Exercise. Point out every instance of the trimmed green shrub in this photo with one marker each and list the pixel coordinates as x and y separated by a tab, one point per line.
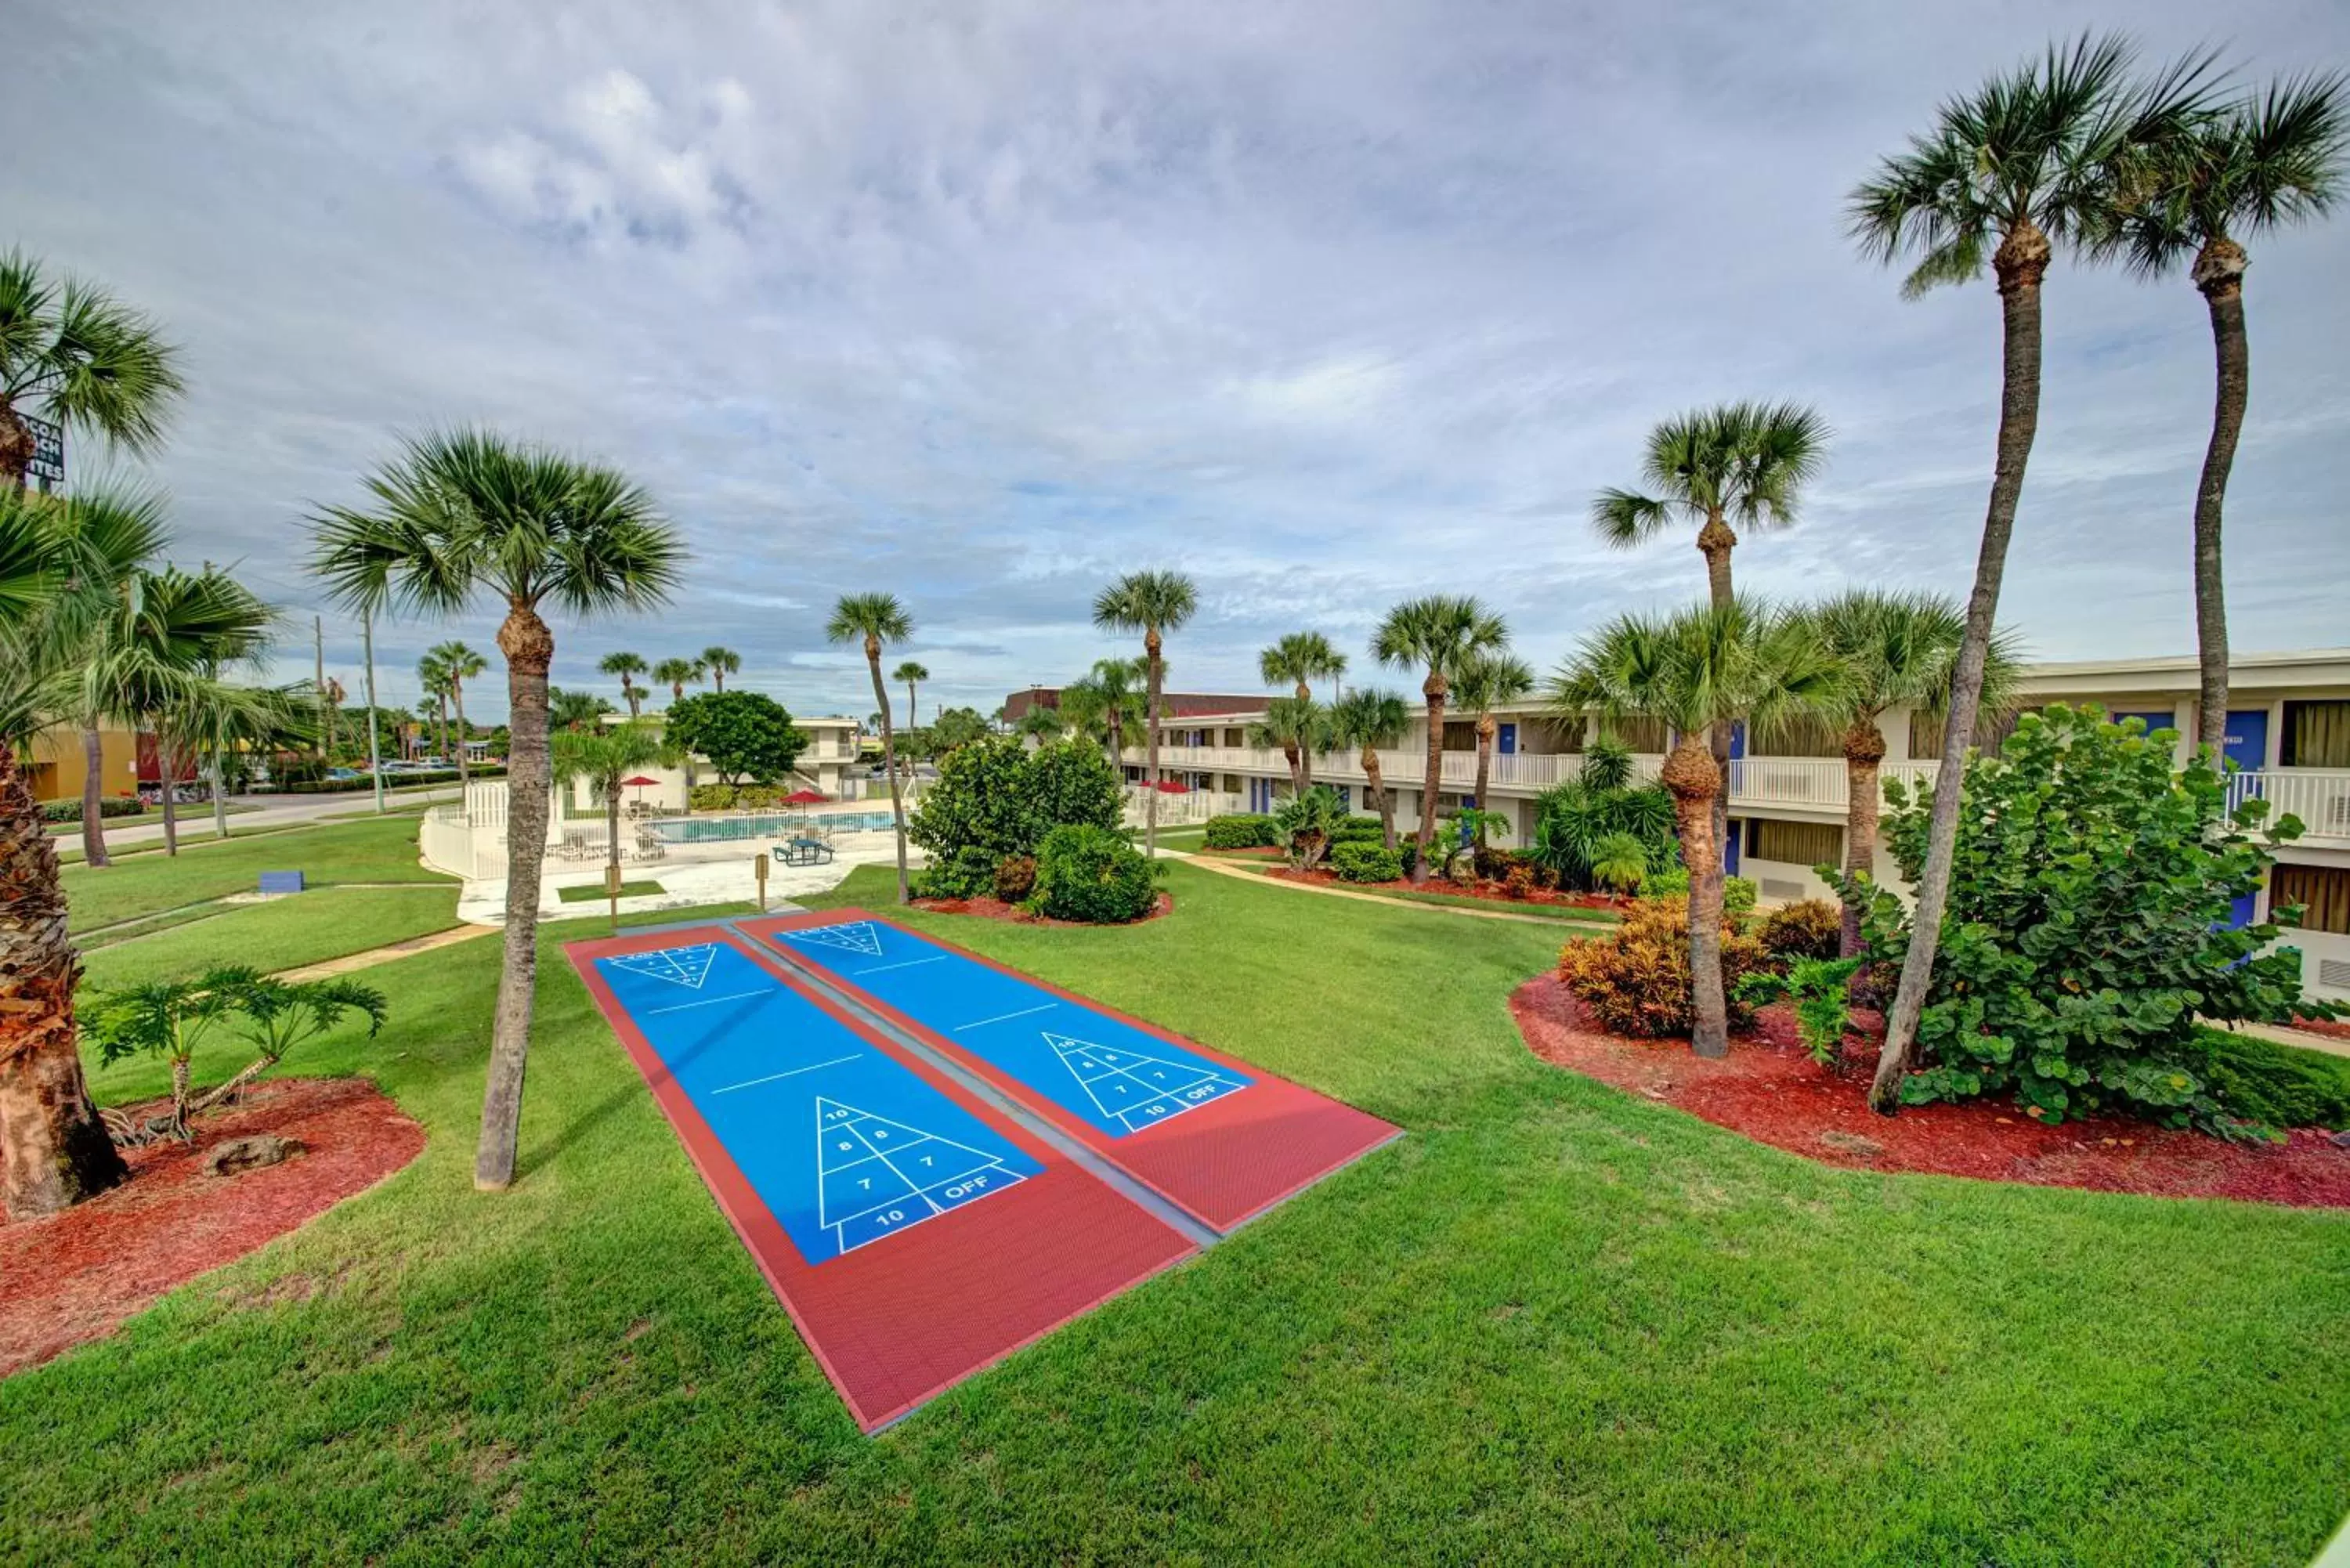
107	805
1016	877
738	797
2088	925
1357	830
1240	830
1738	893
1093	875
1371	862
1808	929
994	798
2275	1085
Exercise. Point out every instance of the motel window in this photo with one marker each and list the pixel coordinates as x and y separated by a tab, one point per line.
1645	736
2317	735
1552	737
1794	843
2324	891
1803	739
1460	737
1925	733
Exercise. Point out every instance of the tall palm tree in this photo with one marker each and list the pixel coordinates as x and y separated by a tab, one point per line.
1372	720
432	675
1043	725
606	759
110	534
1154	604
1745	462
1698	670
459	663
75	355
1300	726
1438	634
569	710
913	674
1299	658
175	633
2250	169
1106	706
875	620
2007	174
674	673
628	667
1489	682
721	662
1893	650
54	1150
465	513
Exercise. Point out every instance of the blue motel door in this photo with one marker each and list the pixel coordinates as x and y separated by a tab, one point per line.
2246	744
1730	850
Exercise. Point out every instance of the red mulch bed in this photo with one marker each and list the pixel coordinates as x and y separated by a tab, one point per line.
1012	914
2332	1028
1769	1089
77	1275
1491	892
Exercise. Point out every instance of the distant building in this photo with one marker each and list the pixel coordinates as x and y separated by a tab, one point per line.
58	763
1171	704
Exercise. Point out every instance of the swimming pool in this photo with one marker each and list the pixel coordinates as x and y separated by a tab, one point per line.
765	825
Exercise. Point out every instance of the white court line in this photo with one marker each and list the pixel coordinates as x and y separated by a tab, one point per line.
795	1073
710	1000
905	963
1001	1017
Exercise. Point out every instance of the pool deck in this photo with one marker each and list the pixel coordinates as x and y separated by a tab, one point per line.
691	876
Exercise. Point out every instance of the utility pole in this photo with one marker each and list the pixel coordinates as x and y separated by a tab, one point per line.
375	759
318	678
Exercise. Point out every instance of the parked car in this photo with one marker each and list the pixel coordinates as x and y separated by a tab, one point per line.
344	775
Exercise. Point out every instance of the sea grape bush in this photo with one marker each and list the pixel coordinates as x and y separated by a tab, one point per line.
994	798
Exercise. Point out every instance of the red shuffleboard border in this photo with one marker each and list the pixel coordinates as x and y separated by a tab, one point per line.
1215	1162
1012	1270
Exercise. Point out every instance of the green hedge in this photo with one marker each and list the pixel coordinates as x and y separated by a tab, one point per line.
1373	862
2275	1085
390	781
1240	830
109	805
1093	875
1358	830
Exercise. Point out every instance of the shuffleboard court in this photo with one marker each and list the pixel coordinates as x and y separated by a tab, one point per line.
914	1235
1221	1139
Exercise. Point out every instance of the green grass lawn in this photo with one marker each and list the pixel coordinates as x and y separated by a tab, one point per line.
1554	1323
377	850
1568	915
284	933
152	816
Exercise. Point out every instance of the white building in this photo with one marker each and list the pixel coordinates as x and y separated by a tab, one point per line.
2288	732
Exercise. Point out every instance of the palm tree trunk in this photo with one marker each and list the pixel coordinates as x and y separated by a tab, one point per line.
2021	261
889	764
1717	540
219	781
529	648
2219	274
1690	774
612	833
1297	779
1485	726
167	763
54	1151
181	1070
1379	796
1302	757
220	1091
1432	690
464	775
1154	669
1864	754
93	798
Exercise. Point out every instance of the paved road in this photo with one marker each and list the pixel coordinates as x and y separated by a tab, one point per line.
269	811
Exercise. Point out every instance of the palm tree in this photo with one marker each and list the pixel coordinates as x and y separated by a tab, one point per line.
628	667
432	675
569	709
1372	720
463	513
1300	726
2008	172
1894	650
721	662
1300	658
874	620
112	535
175	633
606	759
911	672
1698	670
1438	634
1045	725
1105	707
1488	681
1153	603
76	356
674	673
2251	168
1744	462
57	1151
459	664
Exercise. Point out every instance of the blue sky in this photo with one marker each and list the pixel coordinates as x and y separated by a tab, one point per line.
1327	305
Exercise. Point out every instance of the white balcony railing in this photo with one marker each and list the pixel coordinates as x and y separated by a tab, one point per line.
2320	798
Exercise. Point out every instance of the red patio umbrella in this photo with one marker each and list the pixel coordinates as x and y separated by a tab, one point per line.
638	784
805	797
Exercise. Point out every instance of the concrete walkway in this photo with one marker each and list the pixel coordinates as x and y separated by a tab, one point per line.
409	947
266	811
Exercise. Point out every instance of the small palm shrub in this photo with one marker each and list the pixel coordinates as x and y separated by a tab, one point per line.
1371	862
1016	877
1305	824
1820	989
1809	929
1636	980
1619	862
1092	874
1240	830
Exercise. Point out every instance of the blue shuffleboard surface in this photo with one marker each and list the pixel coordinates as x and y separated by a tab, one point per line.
1117	1079
843	1143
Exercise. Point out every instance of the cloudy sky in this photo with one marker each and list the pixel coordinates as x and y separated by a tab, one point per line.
984	303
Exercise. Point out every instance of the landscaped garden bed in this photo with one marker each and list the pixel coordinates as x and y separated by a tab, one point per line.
1768	1089
1483	891
991	908
75	1276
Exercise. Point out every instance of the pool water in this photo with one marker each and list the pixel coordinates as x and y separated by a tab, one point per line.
728	829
